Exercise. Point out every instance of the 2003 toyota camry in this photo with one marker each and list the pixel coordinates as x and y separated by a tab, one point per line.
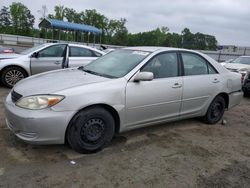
123	90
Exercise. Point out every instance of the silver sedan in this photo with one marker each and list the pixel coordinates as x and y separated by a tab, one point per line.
42	58
123	90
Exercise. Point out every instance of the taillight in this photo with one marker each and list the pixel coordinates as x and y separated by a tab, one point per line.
242	77
8	51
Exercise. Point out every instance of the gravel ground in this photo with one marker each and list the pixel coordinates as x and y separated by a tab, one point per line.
181	154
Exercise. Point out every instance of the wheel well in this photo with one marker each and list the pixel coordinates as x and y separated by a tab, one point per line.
110	109
226	98
15	66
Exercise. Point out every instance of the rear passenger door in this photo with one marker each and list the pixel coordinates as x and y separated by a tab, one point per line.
200	83
80	56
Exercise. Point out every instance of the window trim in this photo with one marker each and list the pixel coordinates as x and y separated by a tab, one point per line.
194	53
179	71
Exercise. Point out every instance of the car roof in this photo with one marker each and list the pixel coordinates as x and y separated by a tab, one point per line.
156	48
245	56
76	45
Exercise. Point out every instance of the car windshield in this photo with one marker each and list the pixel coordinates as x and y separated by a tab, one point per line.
242	60
30	50
116	64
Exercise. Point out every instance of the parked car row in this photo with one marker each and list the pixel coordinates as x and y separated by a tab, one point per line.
242	66
6	50
46	57
122	90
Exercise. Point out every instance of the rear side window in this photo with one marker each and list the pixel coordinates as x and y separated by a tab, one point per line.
195	65
82	52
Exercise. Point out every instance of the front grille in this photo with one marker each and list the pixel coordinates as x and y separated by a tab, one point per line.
15	96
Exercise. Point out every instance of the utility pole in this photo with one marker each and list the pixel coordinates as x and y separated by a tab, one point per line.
43	11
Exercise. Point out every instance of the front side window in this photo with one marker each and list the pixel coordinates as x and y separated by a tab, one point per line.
82	52
196	65
52	51
116	64
163	65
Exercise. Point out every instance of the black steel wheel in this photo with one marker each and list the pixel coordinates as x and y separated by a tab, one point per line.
91	130
215	110
10	76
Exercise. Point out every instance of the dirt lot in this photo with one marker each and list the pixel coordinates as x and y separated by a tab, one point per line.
181	154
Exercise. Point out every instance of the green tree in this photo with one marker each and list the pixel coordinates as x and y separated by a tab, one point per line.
173	40
22	19
72	16
155	37
187	39
200	41
211	42
120	32
94	18
59	13
5	20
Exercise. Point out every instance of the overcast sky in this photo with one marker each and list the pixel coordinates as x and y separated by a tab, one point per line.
228	20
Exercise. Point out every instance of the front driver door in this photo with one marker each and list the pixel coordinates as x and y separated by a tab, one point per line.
159	99
48	59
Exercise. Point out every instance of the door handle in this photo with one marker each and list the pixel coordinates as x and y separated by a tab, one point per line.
216	80
57	62
177	85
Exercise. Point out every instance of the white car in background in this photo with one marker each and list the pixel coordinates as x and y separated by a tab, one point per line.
45	57
241	65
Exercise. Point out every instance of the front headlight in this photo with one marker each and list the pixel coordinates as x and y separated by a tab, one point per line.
38	102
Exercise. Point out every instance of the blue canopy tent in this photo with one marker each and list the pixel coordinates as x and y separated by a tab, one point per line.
68	26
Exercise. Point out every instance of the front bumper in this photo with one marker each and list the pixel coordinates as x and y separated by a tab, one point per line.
37	126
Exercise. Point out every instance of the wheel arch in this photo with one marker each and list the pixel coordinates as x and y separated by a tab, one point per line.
226	98
18	66
107	107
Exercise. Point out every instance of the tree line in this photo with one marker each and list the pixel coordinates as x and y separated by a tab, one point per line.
17	19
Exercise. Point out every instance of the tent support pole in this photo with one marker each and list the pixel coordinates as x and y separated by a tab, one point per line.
59	34
52	33
88	37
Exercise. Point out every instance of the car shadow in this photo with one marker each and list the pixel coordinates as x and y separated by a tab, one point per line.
131	140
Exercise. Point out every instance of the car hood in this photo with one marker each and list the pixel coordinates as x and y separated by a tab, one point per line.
237	66
54	81
9	56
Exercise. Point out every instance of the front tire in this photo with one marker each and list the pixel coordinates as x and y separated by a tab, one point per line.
215	110
11	75
90	130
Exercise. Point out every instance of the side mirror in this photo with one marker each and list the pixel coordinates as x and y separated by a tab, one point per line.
35	55
144	76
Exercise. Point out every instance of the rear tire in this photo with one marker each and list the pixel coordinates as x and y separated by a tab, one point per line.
11	75
245	92
91	130
215	110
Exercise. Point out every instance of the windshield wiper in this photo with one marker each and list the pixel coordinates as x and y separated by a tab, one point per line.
91	72
81	68
95	73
